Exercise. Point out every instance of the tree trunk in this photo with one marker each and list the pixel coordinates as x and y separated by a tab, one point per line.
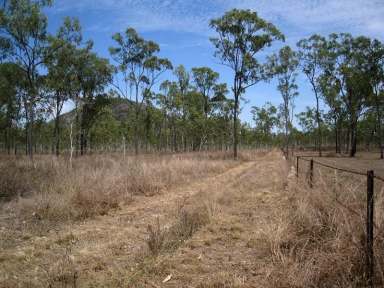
235	135
318	124
8	140
286	138
57	135
380	132
287	122
174	136
337	144
136	136
57	126
82	150
353	138
347	140
71	145
82	133
148	121
8	130
77	129
30	122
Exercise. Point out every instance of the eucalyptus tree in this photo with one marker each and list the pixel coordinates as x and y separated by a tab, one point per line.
226	115
349	74
265	118
205	79
61	70
153	68
105	129
170	103
307	120
241	35
183	80
94	76
336	114
219	120
137	61
11	83
219	99
23	28
376	72
284	66
206	84
312	55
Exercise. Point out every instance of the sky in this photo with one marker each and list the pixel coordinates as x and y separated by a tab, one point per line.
181	28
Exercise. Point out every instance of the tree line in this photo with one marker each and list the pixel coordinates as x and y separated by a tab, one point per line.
124	103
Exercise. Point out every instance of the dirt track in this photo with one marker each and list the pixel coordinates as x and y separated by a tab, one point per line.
107	251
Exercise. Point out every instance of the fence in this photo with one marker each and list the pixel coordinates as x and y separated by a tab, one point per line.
370	205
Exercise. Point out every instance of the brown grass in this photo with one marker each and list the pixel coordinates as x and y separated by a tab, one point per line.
154	216
188	222
318	239
40	229
51	190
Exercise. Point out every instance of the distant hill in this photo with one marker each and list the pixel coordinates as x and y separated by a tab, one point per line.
120	108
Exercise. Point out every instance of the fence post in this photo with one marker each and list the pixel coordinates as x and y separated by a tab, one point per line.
311	174
369	236
297	166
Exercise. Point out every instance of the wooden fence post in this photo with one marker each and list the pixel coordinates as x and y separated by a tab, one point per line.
311	174
369	236
297	166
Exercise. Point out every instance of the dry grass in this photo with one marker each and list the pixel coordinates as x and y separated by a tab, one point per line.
248	226
188	222
40	231
217	240
318	237
50	190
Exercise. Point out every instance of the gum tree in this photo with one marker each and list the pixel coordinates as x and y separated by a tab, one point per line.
11	82
311	53
284	65
205	80
23	33
183	80
376	72
140	67
265	119
349	73
242	34
60	64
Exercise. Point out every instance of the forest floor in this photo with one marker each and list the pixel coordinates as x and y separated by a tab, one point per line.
210	232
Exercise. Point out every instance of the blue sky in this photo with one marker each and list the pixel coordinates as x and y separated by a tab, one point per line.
181	27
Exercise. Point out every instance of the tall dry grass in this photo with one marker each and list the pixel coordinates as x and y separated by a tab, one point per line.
319	240
51	190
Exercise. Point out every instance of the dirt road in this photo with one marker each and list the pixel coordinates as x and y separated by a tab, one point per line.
110	251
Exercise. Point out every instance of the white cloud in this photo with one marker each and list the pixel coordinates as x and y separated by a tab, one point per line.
296	18
149	15
319	16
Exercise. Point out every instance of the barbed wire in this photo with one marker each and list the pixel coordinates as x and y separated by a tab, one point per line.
303	157
379	178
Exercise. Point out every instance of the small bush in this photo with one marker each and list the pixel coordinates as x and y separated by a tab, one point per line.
187	224
155	238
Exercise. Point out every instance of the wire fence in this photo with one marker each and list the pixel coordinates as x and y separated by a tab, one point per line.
366	179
